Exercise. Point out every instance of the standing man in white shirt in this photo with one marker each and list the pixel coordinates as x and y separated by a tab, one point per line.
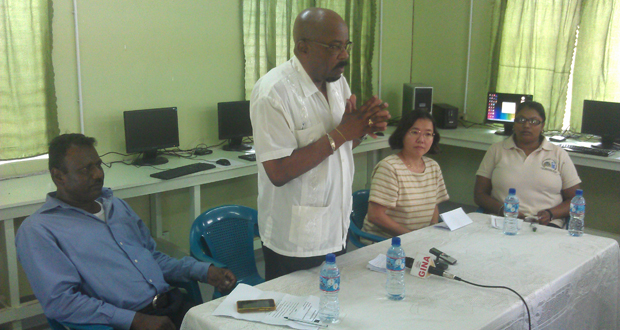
305	124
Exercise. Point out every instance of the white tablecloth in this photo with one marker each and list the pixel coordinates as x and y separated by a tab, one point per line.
568	283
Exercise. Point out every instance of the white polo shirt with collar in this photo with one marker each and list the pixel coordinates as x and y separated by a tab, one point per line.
309	215
538	178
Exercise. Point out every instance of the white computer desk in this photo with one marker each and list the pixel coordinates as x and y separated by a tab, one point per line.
481	138
23	196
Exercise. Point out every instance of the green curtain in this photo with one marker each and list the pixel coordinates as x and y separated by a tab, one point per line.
597	60
532	49
28	113
268	38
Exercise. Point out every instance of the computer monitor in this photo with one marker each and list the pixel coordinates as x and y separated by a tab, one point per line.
501	108
234	124
602	119
148	130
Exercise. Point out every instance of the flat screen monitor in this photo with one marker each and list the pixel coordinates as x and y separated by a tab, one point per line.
234	124
602	119
149	130
501	109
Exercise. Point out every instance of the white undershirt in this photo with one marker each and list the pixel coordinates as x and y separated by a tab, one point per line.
101	213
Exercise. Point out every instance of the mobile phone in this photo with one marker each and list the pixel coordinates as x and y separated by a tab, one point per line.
257	305
442	256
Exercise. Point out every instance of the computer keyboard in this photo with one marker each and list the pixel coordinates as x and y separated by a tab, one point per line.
250	157
182	170
587	150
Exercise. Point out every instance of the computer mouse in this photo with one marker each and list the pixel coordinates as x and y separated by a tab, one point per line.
223	162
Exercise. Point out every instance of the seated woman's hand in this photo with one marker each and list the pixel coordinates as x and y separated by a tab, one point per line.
544	217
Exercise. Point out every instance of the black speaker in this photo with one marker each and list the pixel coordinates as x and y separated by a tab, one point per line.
446	116
416	96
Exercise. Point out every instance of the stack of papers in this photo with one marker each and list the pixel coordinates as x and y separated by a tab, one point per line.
377	264
287	306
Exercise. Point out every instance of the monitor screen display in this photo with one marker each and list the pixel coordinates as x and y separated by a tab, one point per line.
602	119
501	107
148	130
234	123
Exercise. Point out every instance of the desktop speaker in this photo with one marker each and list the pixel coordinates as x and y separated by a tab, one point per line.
446	116
416	96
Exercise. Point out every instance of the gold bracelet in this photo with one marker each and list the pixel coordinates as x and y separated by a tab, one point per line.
345	139
331	142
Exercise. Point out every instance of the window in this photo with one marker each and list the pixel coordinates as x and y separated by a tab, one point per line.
535	51
268	38
28	115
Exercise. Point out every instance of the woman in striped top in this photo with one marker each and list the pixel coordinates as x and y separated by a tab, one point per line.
407	187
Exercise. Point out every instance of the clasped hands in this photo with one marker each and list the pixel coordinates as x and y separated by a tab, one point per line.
369	118
222	279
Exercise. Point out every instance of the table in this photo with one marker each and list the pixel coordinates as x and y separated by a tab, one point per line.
568	283
23	196
481	139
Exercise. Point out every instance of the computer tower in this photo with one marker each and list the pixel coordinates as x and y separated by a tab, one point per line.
446	116
417	96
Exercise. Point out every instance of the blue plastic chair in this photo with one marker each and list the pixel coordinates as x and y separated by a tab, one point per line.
224	236
360	208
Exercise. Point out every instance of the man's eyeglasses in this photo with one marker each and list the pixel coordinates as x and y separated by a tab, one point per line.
522	120
416	134
334	49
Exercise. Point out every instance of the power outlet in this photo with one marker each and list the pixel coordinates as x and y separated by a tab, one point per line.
166	235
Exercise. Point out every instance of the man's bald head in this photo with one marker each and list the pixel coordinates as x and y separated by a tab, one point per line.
321	36
313	23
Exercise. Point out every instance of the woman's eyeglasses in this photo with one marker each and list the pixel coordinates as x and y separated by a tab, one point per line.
522	120
426	135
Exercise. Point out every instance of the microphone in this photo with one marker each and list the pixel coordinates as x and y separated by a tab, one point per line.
440	265
442	273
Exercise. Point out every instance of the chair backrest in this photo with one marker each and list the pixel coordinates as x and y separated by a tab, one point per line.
360	207
226	233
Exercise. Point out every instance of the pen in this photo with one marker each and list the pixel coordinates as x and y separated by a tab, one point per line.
306	322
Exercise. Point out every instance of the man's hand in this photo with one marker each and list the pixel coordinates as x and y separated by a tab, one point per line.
150	322
369	118
221	278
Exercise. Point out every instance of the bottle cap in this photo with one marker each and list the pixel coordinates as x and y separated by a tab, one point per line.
512	191
330	257
396	241
579	192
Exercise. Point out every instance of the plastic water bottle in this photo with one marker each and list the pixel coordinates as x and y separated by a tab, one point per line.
395	265
329	306
577	214
511	213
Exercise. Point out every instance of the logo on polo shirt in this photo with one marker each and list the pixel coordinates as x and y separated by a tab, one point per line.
549	165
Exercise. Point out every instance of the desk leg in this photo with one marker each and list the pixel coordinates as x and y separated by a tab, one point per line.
11	260
372	158
194	203
156	219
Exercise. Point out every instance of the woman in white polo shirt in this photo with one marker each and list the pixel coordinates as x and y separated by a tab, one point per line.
542	173
406	187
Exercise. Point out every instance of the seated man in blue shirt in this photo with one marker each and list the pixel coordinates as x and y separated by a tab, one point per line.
91	260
